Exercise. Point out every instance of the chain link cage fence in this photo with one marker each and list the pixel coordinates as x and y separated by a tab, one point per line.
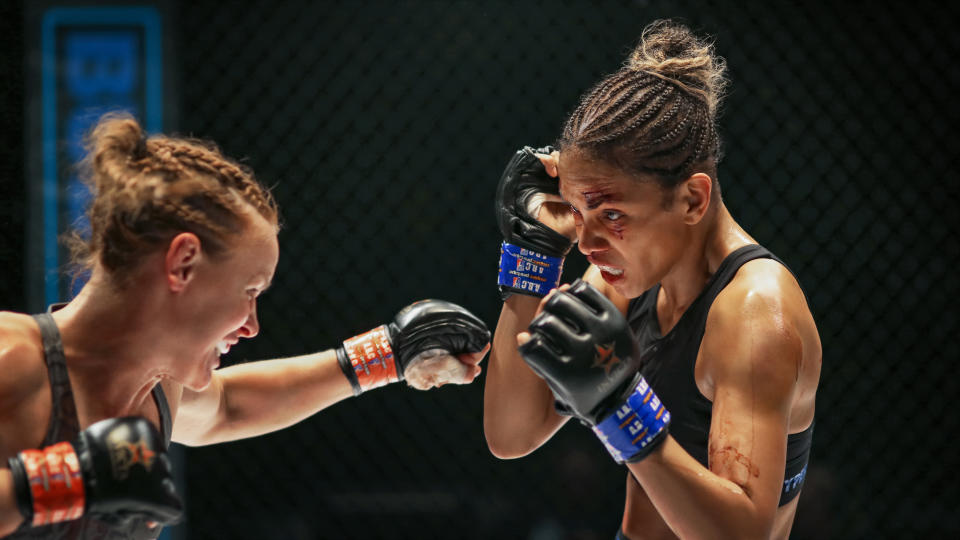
384	126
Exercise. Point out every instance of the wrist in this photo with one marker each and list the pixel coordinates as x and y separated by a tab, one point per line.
368	360
635	428
48	484
527	271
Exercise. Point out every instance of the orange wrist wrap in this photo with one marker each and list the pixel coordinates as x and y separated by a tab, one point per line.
372	358
56	483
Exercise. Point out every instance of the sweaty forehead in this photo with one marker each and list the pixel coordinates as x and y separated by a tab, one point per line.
590	180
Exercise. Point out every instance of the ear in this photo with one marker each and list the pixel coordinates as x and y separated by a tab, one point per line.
181	260
694	197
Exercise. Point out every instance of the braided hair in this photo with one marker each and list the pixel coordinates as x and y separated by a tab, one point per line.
657	114
146	190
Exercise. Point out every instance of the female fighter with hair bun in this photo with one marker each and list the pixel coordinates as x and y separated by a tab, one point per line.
687	348
183	241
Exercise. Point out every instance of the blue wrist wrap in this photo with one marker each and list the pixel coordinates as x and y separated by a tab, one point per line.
528	272
636	427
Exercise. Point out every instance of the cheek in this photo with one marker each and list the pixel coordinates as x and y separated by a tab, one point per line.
226	315
239	313
617	229
650	247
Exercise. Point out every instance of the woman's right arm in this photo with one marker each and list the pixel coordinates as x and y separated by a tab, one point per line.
10	517
518	413
22	373
518	406
538	231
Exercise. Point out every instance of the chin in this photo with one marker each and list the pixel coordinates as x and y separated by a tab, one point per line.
630	290
199	379
199	384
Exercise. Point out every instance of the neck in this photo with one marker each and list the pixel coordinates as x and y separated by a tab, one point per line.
113	351
710	241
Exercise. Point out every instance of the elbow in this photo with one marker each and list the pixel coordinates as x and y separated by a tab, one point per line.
751	525
505	450
505	444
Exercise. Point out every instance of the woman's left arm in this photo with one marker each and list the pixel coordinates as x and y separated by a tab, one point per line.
251	399
428	344
750	358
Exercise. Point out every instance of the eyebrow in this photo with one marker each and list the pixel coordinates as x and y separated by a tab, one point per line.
596	198
266	286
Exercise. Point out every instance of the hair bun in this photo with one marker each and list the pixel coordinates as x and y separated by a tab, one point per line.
671	51
115	141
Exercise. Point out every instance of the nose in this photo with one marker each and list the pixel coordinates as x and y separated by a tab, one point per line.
590	238
251	327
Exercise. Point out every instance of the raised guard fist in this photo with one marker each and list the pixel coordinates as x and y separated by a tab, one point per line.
116	467
581	345
532	253
420	346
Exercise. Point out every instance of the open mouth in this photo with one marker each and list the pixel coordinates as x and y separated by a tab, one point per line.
610	270
223	347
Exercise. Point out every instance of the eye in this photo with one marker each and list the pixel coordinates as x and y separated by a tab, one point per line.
612	215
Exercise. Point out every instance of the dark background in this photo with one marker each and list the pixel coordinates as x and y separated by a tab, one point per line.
383	128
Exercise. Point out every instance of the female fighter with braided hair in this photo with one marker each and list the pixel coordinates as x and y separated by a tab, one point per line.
688	348
182	242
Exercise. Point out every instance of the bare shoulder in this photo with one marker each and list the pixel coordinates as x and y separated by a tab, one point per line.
23	372
24	390
760	327
766	296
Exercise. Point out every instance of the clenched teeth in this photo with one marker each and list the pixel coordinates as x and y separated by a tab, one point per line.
610	270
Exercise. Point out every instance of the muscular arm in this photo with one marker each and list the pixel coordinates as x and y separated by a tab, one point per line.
259	397
750	356
23	378
518	413
10	517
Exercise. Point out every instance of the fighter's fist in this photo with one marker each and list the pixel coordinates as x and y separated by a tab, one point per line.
117	467
581	346
429	343
523	189
532	253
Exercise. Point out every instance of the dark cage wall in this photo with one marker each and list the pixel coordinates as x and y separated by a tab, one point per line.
384	126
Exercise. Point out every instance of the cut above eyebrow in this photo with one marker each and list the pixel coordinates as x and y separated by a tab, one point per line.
596	198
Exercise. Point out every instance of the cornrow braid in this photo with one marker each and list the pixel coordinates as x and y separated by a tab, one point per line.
146	190
657	114
627	117
601	128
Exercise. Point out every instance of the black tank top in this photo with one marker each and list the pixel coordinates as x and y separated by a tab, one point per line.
669	361
64	426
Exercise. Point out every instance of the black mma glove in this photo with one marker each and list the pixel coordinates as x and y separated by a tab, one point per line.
581	346
417	346
531	256
117	467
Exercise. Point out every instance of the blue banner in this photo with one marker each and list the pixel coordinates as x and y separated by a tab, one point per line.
94	60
